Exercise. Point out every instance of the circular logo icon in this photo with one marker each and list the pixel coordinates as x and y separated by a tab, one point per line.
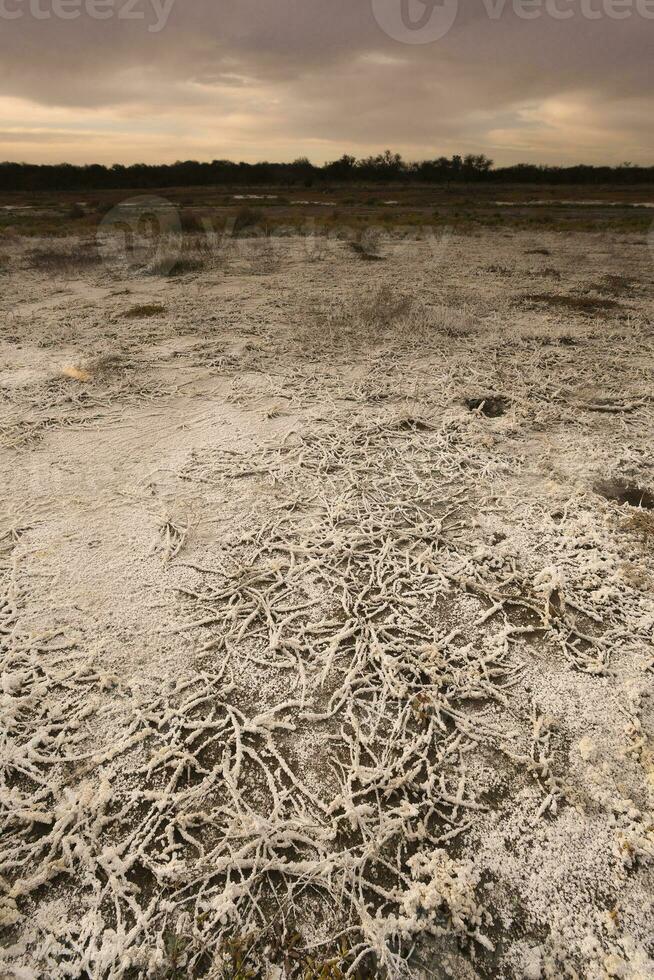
141	234
415	21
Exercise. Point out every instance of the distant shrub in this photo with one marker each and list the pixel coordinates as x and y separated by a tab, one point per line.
366	318
369	245
247	218
191	223
382	307
63	257
188	263
167	263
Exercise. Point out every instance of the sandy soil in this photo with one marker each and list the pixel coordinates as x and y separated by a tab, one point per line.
326	631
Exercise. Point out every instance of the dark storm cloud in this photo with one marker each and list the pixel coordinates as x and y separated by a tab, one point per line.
271	78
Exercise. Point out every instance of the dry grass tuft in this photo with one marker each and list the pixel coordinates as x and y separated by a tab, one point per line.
169	264
577	304
549	272
496	269
191	223
105	364
97	367
642	524
382	307
614	285
63	257
362	252
195	254
368	246
144	310
360	320
247	219
385	315
262	255
444	320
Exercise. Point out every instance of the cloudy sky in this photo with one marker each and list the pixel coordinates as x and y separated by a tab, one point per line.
276	79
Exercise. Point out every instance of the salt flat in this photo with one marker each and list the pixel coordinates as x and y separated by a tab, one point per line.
326	616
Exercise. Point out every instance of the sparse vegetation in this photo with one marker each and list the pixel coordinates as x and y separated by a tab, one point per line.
317	627
369	245
642	524
191	223
364	253
587	305
95	367
144	310
382	307
614	285
247	219
63	257
194	256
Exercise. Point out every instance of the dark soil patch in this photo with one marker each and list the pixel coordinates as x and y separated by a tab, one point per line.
577	304
626	493
146	310
492	406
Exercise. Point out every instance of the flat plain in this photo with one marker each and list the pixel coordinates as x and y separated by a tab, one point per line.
327	606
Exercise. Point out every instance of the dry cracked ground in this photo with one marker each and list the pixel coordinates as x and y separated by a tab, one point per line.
326	612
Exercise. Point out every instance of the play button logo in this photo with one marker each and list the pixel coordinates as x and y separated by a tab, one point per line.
415	21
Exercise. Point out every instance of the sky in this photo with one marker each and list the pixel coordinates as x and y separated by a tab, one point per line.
105	81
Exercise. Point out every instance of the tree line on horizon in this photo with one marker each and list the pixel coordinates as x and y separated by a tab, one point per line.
386	167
